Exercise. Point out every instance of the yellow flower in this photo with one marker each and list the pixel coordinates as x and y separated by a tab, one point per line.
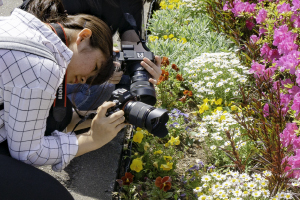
174	141
205	100
219	101
153	38
163	5
222	118
167	167
168	158
174	39
155	164
167	144
158	152
201	110
136	165
171	36
212	101
138	137
146	146
205	106
219	108
138	129
183	40
171	7
165	37
233	108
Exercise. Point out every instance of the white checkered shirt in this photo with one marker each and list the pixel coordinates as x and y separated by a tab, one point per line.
28	85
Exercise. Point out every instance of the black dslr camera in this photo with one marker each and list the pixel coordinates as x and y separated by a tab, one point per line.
130	60
139	114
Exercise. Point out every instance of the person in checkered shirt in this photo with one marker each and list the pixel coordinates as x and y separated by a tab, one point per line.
28	84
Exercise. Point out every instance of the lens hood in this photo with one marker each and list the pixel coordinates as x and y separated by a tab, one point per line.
156	122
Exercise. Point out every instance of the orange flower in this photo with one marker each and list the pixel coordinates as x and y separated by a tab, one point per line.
185	92
179	77
165	61
190	93
127	179
183	99
163	183
174	66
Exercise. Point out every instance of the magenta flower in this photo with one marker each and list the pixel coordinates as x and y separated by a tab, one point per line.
285	7
264	50
294	90
240	7
253	39
261	16
262	31
257	68
287	45
280	34
288	134
296	104
296	5
226	6
296	20
249	24
266	110
289	61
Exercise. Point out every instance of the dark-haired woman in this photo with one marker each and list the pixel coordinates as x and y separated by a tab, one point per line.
28	85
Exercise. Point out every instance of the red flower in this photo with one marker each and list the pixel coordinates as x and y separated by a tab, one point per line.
179	77
127	179
165	61
163	183
174	66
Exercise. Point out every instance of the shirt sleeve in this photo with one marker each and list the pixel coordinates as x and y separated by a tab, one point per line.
27	115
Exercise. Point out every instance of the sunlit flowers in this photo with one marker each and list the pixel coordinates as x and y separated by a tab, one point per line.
136	165
163	183
166	167
138	137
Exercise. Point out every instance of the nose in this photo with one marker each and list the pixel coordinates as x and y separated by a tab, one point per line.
83	80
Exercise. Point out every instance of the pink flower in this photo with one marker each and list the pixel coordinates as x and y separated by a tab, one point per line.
296	5
261	16
285	7
262	31
280	34
296	104
266	110
226	6
297	73
257	68
289	61
253	39
288	134
296	20
287	45
264	50
240	7
294	90
249	24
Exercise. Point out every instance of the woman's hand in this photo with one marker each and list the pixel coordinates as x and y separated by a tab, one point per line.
153	68
103	129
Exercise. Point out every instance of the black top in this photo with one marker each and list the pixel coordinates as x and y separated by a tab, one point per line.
109	13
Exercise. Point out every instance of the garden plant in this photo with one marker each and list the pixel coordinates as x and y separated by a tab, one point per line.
230	81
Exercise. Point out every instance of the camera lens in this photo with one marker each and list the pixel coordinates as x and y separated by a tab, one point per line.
140	84
148	117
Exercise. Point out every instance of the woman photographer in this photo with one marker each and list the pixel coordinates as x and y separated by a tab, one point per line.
28	85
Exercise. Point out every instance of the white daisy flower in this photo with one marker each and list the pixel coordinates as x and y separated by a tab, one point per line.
206	178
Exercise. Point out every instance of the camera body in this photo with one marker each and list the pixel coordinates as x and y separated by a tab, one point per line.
130	60
138	113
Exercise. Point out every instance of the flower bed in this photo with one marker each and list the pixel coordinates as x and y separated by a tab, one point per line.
244	121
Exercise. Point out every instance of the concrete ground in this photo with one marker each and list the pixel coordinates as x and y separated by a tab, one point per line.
91	176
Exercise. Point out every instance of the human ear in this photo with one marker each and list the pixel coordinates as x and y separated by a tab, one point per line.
82	35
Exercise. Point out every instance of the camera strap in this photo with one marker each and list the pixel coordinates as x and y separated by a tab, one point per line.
60	102
130	19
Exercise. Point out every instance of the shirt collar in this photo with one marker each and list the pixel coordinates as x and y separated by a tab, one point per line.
39	26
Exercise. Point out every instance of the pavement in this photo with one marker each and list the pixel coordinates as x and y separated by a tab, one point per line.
91	176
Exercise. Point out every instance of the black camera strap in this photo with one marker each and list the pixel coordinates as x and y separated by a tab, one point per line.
130	19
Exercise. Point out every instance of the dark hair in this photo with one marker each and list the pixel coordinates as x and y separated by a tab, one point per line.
51	11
